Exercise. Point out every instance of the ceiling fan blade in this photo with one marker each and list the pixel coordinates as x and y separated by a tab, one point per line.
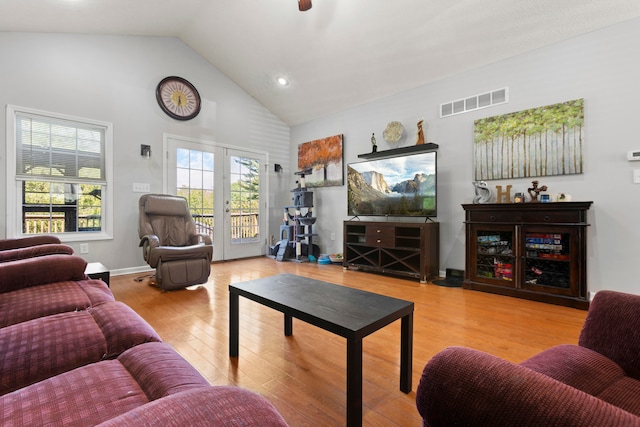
304	5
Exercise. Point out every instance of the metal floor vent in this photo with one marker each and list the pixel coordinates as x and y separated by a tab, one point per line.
476	102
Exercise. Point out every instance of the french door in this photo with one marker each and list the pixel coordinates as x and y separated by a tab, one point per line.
225	188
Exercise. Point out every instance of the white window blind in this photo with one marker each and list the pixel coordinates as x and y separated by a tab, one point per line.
58	150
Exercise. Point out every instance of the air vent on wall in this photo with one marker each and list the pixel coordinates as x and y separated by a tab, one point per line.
476	102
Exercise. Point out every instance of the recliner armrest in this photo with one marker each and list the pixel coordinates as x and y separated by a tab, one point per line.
200	238
150	240
147	243
465	387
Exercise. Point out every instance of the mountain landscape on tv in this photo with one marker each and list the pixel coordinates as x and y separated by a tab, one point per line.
369	193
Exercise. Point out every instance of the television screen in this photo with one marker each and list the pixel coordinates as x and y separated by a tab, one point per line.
397	186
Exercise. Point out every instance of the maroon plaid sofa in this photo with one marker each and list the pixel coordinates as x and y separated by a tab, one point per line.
594	383
71	355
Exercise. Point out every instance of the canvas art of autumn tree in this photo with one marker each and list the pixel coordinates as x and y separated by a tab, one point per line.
324	158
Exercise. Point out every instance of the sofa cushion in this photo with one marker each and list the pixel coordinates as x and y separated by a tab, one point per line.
47	346
43	300
82	397
100	391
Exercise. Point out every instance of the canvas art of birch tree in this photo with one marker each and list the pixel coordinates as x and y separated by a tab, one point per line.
541	141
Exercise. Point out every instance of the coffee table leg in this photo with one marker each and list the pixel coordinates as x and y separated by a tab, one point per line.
233	324
406	352
288	325
354	382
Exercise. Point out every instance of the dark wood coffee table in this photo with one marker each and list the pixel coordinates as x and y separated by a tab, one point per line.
350	313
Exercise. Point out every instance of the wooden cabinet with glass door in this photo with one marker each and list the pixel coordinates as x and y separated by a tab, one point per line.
535	251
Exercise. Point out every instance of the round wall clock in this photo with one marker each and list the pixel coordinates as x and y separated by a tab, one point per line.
178	98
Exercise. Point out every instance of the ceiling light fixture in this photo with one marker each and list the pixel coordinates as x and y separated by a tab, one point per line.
304	5
282	81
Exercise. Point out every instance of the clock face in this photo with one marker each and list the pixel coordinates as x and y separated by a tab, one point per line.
178	98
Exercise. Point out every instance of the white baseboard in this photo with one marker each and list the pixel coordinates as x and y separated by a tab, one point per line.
131	270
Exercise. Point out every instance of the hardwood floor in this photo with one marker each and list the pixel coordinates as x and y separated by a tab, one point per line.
304	375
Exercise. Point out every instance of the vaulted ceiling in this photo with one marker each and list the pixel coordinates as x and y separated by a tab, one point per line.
338	54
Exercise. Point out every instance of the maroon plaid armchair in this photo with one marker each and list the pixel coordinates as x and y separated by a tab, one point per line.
594	383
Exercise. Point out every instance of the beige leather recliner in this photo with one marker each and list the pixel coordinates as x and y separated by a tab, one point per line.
170	243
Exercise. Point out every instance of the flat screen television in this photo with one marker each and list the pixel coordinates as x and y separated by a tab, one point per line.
396	186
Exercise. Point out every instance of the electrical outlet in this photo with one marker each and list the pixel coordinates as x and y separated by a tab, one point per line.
333	236
84	248
141	187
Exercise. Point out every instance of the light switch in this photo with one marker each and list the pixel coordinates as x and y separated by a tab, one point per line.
141	187
636	176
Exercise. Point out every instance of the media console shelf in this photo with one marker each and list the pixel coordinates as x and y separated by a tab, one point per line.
536	251
395	248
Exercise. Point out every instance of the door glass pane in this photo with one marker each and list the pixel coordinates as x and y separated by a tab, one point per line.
245	196
194	181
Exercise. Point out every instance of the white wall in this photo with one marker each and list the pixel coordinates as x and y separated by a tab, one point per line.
601	67
113	79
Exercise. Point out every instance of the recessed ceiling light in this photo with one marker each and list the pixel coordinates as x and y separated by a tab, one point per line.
282	81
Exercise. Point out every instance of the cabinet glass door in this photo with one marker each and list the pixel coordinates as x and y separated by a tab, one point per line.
494	253
547	265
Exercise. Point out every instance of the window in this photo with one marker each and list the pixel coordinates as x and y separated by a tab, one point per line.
61	170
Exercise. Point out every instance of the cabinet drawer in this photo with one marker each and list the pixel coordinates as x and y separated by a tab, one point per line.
382	236
495	216
551	217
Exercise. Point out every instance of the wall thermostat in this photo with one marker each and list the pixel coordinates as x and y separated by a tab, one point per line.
633	155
